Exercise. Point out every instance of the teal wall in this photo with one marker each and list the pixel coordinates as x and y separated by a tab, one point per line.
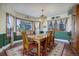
60	35
63	35
4	40
17	37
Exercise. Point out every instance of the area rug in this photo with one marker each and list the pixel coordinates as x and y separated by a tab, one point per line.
58	50
17	51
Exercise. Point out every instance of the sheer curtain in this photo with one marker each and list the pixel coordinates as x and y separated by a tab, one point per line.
37	27
10	28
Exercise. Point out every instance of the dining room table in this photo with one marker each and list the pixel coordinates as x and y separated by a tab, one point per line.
38	38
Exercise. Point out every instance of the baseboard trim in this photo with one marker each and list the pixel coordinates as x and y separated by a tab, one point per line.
62	40
8	45
4	47
17	41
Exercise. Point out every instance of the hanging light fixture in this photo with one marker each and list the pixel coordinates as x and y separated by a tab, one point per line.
42	17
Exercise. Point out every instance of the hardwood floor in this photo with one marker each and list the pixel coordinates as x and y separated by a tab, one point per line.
67	51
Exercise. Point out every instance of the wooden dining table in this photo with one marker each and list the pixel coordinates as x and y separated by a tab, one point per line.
38	38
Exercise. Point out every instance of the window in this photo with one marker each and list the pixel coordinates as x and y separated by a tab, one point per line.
18	27
9	26
37	27
50	25
55	24
61	26
23	25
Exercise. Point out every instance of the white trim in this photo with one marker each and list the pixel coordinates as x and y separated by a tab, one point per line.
17	41
1	49
5	47
62	40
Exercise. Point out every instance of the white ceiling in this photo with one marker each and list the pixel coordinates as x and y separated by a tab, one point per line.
34	9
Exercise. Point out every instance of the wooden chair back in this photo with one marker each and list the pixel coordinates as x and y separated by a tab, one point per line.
48	37
25	40
47	41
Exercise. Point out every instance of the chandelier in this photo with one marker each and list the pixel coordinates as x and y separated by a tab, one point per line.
42	17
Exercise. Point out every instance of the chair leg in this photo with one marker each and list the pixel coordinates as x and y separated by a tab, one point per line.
23	53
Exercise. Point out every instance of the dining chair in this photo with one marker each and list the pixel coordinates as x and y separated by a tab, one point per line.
52	39
29	47
49	42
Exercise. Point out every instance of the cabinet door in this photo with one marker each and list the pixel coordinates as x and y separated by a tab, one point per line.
75	34
77	28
